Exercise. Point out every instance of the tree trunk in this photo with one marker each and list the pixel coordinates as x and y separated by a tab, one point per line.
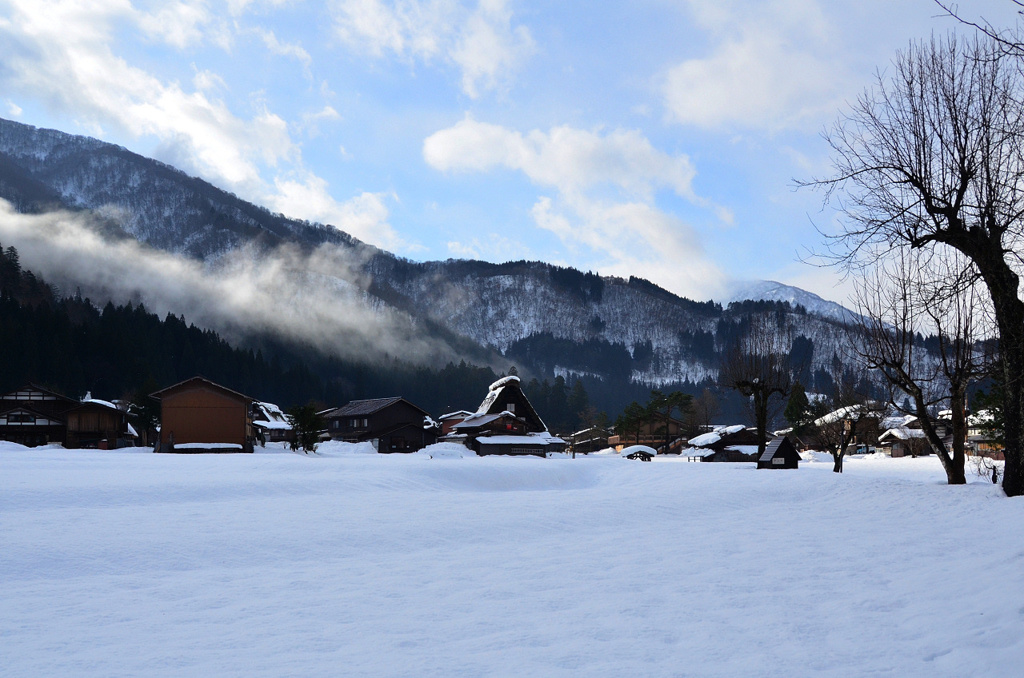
1002	285
837	467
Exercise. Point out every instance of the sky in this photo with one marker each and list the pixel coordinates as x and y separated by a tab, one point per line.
656	138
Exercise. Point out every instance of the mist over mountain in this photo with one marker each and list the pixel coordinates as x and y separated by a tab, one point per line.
320	286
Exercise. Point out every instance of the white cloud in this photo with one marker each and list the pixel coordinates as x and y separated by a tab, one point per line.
633	239
287	49
60	51
621	235
364	216
179	24
569	159
774	65
480	41
13	109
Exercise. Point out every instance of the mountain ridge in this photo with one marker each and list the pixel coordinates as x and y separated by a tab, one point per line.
523	311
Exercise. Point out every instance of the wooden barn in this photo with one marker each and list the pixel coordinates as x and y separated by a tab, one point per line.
780	453
98	424
198	415
391	424
506	395
33	416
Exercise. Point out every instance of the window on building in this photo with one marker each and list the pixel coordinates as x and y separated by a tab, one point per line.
511	407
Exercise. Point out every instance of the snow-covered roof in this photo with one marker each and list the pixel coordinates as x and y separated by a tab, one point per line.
517	440
837	415
452	415
132	431
103	403
897	421
481	419
275	418
705	439
626	451
501	382
902	433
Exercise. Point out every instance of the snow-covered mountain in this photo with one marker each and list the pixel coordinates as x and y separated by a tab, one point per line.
769	290
550	319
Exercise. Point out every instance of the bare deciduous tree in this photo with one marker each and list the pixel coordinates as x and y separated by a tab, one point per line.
933	158
910	295
759	368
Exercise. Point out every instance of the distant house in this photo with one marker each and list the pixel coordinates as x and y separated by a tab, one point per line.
198	415
980	438
506	423
725	444
780	453
652	434
270	423
448	421
904	441
99	424
33	415
391	424
590	439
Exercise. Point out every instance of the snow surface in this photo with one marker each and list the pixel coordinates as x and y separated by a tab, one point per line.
128	563
626	451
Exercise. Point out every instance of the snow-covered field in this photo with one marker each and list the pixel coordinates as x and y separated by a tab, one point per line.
350	564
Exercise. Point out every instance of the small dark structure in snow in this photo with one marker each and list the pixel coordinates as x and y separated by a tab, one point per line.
33	416
780	453
198	415
391	424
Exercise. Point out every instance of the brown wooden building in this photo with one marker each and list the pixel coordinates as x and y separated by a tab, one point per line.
652	434
33	416
391	424
98	424
198	415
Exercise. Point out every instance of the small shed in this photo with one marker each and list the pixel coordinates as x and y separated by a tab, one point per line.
780	453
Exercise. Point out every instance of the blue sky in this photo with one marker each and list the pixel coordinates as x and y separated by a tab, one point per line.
654	138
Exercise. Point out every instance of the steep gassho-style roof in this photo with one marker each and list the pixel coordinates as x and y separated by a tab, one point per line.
358	408
494	392
274	418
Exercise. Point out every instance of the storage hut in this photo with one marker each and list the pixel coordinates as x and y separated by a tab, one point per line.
198	415
780	453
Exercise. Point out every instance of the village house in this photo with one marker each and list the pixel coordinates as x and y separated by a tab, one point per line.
33	415
271	424
735	443
448	421
652	434
198	415
390	424
506	423
98	424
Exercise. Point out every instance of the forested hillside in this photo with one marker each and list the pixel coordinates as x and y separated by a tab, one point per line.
71	346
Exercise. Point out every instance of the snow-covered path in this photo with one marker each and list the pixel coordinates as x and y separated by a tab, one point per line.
275	564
